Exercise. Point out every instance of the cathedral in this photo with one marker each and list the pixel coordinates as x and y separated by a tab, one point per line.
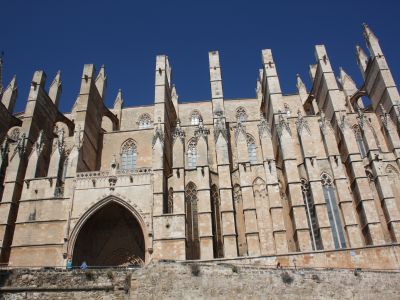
277	175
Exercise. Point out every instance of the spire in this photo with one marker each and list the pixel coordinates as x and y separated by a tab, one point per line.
259	92
101	82
174	98
347	84
119	101
312	71
372	41
10	94
174	95
346	81
362	59
56	88
301	88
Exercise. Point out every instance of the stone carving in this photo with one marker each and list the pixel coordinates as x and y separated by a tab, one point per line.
282	125
239	129
323	123
201	131
220	128
60	140
78	137
263	127
302	123
40	143
15	135
178	132
158	135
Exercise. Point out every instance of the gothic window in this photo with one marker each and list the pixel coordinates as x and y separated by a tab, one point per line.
311	215
170	203
195	118
239	220
241	115
216	222
393	176
192	153
333	211
251	149
144	121
360	141
192	228
128	155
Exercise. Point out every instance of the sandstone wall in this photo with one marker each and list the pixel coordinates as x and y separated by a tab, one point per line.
191	280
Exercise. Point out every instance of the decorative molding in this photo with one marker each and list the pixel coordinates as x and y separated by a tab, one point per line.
178	132
343	122
60	140
384	117
323	123
158	135
263	127
40	142
78	137
218	111
361	119
240	128
220	128
201	131
21	145
282	124
302	123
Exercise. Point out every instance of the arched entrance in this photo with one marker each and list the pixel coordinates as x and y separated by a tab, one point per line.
111	236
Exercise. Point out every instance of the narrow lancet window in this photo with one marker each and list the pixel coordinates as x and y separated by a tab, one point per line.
216	222
311	216
170	203
333	211
192	228
251	149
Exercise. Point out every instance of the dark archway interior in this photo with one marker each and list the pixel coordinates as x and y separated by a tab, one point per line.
111	237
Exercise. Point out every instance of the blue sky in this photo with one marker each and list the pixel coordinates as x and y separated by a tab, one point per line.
126	36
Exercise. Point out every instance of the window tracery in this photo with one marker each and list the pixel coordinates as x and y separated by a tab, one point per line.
333	211
241	115
192	228
195	118
144	121
311	215
128	155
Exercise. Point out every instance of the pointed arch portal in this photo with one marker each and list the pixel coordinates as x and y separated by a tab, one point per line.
111	236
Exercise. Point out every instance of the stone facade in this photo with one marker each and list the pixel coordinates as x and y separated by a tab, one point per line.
312	172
